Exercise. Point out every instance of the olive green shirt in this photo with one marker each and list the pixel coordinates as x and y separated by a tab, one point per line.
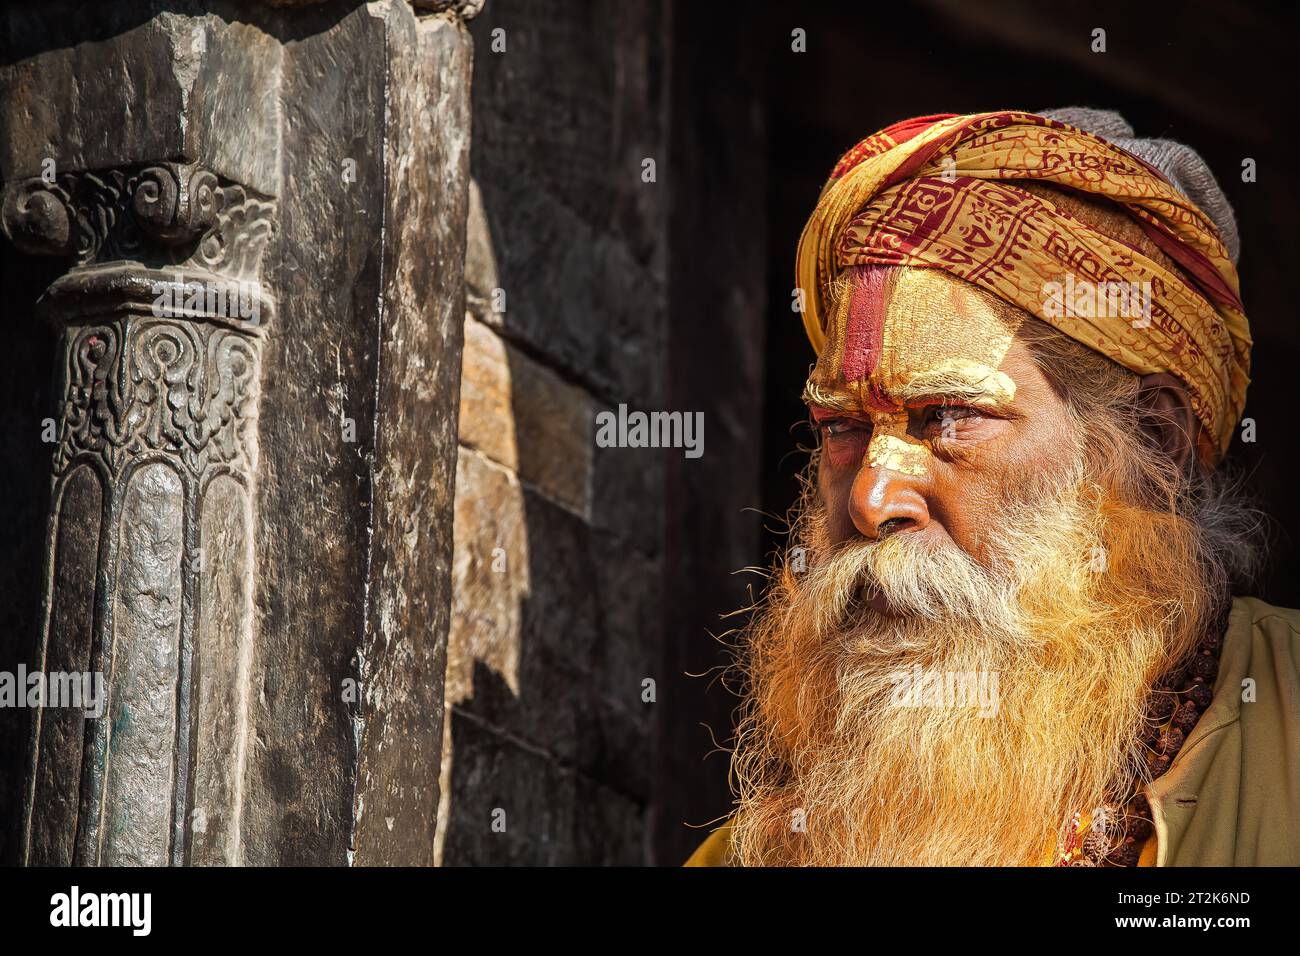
1232	795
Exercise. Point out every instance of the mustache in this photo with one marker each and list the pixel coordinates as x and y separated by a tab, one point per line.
918	577
927	578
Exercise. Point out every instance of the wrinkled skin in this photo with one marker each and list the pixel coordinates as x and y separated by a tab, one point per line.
938	461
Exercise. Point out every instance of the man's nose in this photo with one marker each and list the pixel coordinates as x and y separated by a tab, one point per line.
885	500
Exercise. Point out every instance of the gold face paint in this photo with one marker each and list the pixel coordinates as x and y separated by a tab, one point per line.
893	449
939	339
943	335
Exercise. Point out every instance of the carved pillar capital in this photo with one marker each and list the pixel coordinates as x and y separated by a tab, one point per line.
164	213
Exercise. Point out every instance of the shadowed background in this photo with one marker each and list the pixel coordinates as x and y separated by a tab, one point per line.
582	572
676	294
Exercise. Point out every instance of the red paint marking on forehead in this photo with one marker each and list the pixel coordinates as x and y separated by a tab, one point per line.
877	400
864	329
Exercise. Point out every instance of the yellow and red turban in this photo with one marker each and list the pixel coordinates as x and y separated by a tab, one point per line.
940	192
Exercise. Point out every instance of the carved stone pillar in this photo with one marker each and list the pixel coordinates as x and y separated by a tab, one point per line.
256	228
150	541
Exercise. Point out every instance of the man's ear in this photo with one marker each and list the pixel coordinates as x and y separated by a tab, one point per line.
1168	417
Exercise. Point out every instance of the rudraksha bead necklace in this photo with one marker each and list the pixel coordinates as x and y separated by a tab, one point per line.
1178	701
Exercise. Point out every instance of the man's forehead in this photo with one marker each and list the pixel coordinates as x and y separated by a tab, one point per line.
902	335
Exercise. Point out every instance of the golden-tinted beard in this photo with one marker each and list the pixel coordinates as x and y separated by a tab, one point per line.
1091	601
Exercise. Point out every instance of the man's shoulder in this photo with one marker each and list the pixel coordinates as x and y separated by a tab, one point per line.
715	850
1263	614
1232	796
1260	664
1273	632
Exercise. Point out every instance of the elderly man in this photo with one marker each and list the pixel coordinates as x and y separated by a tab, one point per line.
1005	632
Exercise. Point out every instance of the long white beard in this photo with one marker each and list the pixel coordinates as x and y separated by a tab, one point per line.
832	769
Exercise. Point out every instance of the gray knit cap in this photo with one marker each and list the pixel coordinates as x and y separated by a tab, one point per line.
1180	164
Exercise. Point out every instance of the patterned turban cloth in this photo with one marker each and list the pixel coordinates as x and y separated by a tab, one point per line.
947	192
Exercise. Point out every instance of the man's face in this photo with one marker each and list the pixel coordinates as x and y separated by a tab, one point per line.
960	498
932	412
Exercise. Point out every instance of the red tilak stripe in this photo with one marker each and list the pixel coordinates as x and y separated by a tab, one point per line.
864	332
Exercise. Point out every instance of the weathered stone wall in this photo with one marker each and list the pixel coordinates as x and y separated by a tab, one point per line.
582	572
558	543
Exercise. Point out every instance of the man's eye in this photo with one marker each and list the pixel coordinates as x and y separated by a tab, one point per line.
945	416
842	426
